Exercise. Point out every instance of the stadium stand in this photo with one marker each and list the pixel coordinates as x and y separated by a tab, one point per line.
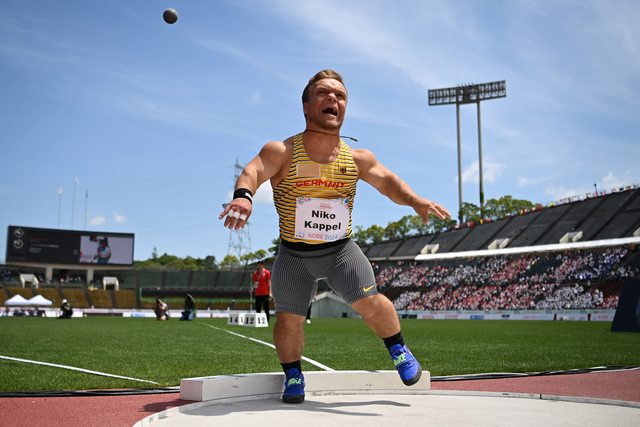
545	219
9	277
626	220
101	299
623	222
448	241
634	262
204	279
564	280
479	237
175	305
175	280
601	215
387	250
125	299
543	265
245	281
242	305
76	297
568	223
220	304
231	280
150	279
379	250
414	245
515	225
147	304
126	278
51	294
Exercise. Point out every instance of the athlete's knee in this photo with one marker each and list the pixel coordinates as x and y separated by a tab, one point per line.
289	320
372	303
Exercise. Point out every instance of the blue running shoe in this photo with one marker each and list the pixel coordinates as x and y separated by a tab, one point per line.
407	366
293	387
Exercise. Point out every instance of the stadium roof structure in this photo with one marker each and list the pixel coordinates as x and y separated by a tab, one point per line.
529	249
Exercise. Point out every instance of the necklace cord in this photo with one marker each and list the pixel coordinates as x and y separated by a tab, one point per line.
326	133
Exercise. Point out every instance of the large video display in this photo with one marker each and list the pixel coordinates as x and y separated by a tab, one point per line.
41	245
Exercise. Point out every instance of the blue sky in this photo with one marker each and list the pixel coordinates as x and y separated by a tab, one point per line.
151	117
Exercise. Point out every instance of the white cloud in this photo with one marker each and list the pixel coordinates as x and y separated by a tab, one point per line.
492	171
99	220
558	193
255	99
120	219
522	181
611	181
264	195
607	183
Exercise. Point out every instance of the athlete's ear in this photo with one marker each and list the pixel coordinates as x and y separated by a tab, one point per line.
304	107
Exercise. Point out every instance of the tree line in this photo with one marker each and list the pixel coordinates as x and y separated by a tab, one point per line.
412	225
173	262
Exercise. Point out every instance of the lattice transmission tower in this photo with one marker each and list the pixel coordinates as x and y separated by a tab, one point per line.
239	240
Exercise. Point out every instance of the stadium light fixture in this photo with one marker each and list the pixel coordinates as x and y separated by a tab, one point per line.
468	94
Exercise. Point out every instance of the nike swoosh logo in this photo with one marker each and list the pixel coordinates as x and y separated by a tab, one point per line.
367	289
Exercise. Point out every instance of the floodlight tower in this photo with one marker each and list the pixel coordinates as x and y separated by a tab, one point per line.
240	239
468	94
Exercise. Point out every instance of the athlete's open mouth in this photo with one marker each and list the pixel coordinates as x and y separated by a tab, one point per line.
330	110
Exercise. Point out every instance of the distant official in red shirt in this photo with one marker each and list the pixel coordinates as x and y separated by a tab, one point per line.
262	285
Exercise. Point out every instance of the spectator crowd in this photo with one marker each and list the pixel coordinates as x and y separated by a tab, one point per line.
567	280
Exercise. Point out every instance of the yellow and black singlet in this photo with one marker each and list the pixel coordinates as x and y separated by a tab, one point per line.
315	200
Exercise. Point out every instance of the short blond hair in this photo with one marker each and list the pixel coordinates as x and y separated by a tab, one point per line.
324	74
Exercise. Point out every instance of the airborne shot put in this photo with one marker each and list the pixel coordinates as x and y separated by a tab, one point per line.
314	176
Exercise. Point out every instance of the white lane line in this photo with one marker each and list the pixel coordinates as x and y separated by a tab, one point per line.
74	369
306	359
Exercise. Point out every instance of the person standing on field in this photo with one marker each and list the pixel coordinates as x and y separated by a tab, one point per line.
262	287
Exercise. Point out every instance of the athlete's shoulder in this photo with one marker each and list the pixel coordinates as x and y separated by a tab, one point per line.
276	151
279	147
363	157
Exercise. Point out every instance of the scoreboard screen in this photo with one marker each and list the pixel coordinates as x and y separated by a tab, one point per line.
41	245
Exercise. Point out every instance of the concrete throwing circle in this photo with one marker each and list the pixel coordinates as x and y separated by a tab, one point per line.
433	409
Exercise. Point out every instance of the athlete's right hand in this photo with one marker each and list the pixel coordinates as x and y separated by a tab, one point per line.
237	213
424	207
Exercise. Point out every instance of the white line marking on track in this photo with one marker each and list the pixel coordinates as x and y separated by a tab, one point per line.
306	359
74	369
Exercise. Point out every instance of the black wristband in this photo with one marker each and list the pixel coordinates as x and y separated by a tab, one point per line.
244	193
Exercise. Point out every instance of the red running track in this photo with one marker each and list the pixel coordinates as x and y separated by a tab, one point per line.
125	411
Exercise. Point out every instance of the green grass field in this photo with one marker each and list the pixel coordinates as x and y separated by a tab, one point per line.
165	352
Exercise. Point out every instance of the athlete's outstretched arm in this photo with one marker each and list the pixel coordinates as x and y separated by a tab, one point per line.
264	166
390	185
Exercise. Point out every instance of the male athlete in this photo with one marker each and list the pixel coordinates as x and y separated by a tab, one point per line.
314	175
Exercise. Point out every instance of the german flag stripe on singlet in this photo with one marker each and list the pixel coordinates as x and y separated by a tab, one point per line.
306	178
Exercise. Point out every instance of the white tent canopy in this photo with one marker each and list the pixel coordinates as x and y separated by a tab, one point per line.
40	300
17	300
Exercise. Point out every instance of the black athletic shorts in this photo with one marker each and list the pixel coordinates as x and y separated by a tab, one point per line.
296	273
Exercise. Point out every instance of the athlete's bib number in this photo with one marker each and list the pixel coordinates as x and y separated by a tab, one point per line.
322	220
